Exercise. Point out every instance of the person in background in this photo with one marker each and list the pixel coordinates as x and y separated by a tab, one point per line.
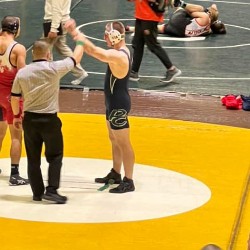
146	33
191	20
56	14
12	59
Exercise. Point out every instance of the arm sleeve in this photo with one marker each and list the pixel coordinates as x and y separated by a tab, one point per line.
64	66
16	90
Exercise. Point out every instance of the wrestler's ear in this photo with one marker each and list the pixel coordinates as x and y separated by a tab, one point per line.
48	55
17	34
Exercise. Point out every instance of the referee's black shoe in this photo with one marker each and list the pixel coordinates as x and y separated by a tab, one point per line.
54	197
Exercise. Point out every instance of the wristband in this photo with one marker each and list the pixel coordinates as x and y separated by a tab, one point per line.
80	43
17	116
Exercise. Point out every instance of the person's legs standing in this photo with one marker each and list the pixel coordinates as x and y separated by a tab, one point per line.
150	32
122	140
127	153
33	145
115	173
116	150
15	155
118	127
138	50
53	140
6	119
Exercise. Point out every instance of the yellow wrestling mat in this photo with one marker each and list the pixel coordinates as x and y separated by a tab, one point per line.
210	157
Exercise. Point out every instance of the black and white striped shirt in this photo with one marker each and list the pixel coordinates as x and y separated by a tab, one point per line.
39	83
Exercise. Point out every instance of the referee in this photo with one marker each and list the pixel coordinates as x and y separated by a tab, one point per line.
39	83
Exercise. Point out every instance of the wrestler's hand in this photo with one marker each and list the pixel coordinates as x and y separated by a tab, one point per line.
17	123
70	26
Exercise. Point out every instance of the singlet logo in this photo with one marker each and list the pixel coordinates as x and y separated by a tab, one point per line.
118	118
4	66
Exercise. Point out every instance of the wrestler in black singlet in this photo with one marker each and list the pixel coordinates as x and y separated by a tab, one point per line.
177	23
117	99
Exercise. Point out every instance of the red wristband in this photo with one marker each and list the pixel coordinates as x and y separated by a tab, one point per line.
18	115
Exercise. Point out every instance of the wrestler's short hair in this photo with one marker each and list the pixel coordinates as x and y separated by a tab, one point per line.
118	26
40	48
218	27
10	24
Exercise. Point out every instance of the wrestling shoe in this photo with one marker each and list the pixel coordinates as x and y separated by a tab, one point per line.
80	79
127	185
17	180
112	175
134	76
171	75
54	197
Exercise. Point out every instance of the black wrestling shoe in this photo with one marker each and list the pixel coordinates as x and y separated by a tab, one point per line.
112	175
54	197
127	185
17	180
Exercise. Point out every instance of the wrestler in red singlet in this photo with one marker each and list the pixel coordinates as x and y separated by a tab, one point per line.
12	58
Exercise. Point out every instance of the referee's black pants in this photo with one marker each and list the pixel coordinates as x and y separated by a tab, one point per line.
39	129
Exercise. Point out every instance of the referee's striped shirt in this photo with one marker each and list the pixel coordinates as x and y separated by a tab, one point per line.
39	83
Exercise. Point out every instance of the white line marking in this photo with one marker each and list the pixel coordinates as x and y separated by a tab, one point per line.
184	77
173	193
171	47
184	39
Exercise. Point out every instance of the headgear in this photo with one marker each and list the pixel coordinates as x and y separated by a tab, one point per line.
114	35
10	24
